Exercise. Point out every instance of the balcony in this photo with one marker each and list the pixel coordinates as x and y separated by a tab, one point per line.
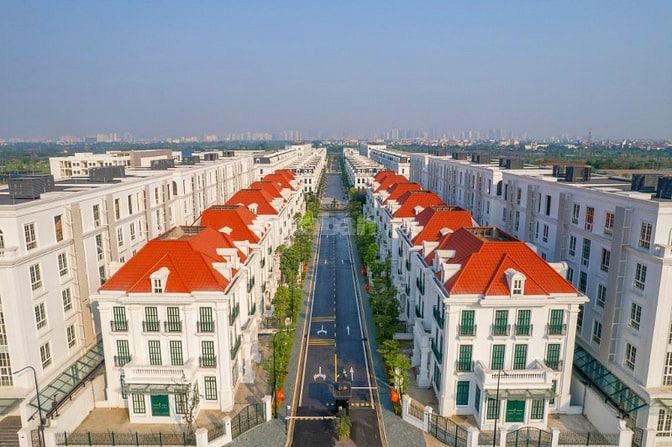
556	329
165	374
500	330
119	325
466	330
172	326
437	353
151	326
536	375
439	317
234	314
523	330
121	360
464	365
236	346
205	326
554	364
208	361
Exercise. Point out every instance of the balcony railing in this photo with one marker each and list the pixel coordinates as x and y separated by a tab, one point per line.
151	326
556	329
209	361
253	309
523	329
466	330
420	285
172	326
437	353
121	360
205	326
489	377
440	319
234	314
236	346
119	325
464	366
500	330
553	364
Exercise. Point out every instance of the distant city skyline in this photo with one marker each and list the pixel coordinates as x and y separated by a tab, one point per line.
547	69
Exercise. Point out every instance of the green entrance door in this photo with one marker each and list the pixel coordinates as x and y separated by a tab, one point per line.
160	405
515	411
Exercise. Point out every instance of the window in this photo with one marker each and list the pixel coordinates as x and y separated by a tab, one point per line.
40	316
635	315
62	264
210	383
130	205
492	412
462	397
575	213
667	372
664	427
205	322
604	260
58	227
101	274
5	370
553	356
35	277
29	235
585	253
120	236
640	276
208	353
173	323
548	205
609	224
497	359
157	285
132	230
100	252
154	349
537	409
597	332
70	335
181	403
630	356
517	288
138	403
477	399
570	274
645	235
151	323
123	353
556	322
601	295
501	322
96	216
572	245
45	355
544	234
66	295
464	358
176	353
554	387
519	356
467	323
583	281
590	214
117	209
579	319
523	326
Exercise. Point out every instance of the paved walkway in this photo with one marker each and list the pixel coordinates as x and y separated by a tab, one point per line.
400	433
268	434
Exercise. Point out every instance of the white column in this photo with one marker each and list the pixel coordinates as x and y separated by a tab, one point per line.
268	411
555	437
502	436
425	423
472	436
625	434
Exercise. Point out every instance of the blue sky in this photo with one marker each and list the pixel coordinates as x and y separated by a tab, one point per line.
190	68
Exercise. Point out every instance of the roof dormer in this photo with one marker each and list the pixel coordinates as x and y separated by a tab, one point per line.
417	209
159	279
516	282
253	208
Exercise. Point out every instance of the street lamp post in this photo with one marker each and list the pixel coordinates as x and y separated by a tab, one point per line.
40	430
498	407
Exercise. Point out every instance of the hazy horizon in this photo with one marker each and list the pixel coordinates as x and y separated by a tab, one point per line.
171	68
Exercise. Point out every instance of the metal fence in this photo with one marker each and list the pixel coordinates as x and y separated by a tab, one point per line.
488	438
125	438
249	417
216	432
529	437
447	431
588	438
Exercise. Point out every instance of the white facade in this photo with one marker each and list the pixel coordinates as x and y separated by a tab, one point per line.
310	169
359	169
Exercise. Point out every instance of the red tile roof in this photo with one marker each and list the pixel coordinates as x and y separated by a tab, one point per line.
411	199
288	173
261	198
271	187
395	191
236	217
187	252
485	260
391	180
435	218
281	178
380	176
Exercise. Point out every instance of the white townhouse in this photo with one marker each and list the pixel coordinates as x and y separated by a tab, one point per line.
360	169
59	241
310	168
396	161
496	316
287	158
175	316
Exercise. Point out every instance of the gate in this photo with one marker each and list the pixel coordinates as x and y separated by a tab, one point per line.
447	431
528	437
249	417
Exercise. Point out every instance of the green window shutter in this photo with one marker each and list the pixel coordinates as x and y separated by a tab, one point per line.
557	319
176	353
468	318
154	349
537	410
210	387
205	313
173	314
208	348
465	357
462	397
122	349
139	404
497	360
501	318
523	321
151	314
180	403
519	356
477	399
119	313
553	355
492	412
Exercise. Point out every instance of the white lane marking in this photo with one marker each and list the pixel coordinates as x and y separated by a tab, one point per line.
347	328
352	374
319	375
322	330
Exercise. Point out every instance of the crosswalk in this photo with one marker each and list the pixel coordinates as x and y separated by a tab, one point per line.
321	342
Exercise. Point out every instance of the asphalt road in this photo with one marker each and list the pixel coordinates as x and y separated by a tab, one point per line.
336	345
